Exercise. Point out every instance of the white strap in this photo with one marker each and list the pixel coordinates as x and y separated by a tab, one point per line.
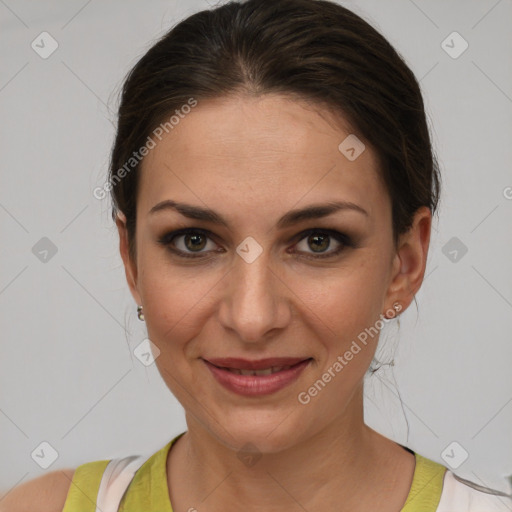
116	479
460	495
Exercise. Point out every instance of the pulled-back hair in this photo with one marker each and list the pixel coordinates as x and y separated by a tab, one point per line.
311	49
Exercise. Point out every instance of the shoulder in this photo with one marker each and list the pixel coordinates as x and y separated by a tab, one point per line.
46	493
466	496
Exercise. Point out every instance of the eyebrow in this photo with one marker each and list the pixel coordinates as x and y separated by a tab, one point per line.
315	211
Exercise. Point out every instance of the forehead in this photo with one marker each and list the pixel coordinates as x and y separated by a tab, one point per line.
265	154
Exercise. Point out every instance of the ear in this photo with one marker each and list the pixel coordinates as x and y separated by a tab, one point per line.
410	260
130	267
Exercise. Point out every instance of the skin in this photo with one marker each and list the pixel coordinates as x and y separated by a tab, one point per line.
252	160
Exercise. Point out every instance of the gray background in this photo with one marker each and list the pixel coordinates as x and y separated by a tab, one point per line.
68	374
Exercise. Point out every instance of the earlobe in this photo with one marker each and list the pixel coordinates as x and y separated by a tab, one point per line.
411	259
130	267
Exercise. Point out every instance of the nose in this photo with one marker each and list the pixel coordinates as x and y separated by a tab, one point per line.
256	301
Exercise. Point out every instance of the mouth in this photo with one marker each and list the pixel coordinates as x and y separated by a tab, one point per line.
256	378
267	366
267	371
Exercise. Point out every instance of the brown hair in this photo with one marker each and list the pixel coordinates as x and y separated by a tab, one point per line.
312	49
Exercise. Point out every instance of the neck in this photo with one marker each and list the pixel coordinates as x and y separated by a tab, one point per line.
345	466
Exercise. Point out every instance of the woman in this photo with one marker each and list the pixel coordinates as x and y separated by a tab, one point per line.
273	184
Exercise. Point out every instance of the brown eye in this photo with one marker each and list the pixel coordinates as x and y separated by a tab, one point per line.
195	241
188	243
319	243
316	242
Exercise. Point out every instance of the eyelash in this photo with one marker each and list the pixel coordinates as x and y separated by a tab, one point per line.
343	239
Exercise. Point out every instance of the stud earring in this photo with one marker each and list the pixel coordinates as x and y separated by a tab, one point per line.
140	314
397	307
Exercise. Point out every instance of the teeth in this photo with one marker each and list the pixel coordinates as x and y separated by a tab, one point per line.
266	371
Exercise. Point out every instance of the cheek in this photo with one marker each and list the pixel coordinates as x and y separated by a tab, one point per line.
175	299
342	320
175	315
343	311
346	299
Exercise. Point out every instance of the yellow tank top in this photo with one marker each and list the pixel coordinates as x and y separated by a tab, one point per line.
148	491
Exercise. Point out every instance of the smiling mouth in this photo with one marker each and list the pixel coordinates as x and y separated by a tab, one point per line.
257	378
266	371
248	368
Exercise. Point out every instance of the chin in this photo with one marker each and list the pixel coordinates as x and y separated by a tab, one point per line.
254	433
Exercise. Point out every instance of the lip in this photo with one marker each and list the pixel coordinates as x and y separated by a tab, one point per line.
257	385
260	364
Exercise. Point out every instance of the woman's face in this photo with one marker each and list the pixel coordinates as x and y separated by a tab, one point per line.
264	283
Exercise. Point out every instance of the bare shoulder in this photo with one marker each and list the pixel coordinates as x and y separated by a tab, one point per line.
46	493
